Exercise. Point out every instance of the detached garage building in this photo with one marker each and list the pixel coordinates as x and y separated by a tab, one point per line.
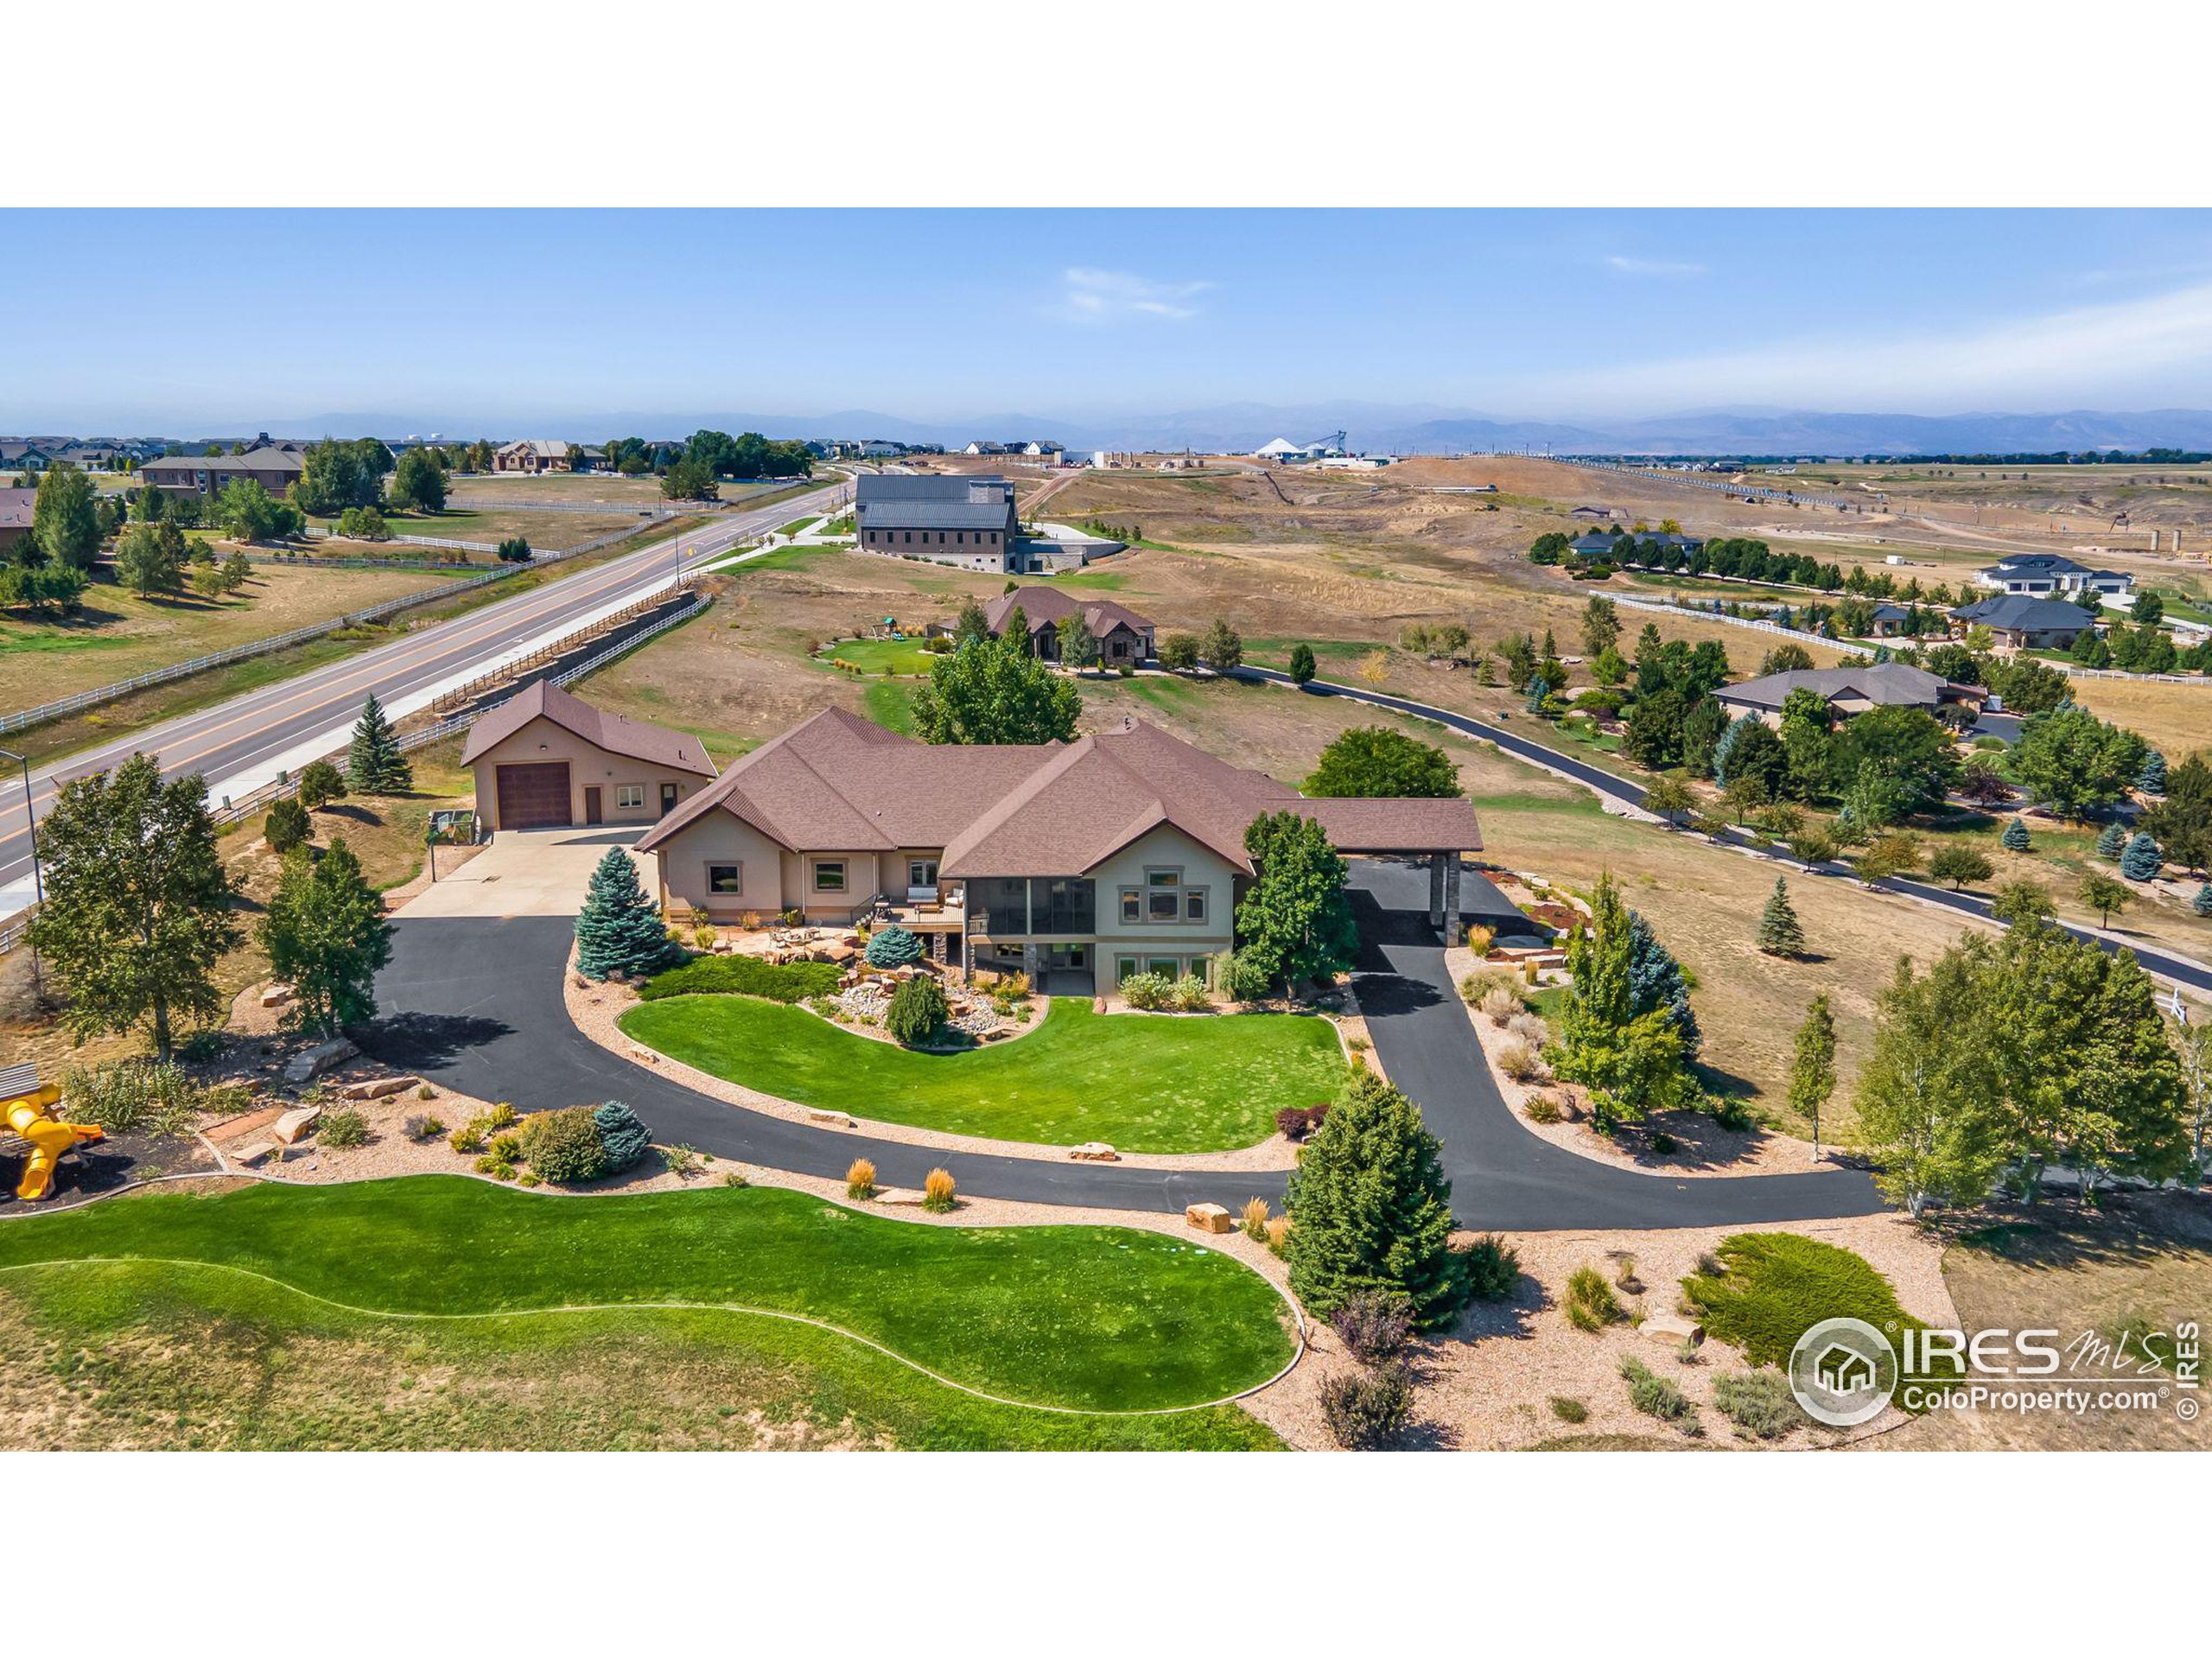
544	760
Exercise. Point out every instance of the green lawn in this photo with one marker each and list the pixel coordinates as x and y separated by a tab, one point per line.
1096	1319
890	706
881	656
1144	1084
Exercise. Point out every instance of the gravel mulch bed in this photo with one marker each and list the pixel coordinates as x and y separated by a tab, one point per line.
1704	1148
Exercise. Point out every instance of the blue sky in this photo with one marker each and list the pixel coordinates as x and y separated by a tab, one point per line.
191	320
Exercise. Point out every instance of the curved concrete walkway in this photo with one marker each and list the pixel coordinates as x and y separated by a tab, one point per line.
476	1003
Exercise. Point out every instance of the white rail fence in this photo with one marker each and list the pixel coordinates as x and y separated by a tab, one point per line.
240	653
1757	623
236	811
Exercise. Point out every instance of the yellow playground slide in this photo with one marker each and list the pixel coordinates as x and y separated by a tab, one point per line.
27	1107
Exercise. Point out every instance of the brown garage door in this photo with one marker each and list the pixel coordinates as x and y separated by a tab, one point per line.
535	796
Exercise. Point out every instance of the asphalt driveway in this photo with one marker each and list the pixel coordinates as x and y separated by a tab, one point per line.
476	1003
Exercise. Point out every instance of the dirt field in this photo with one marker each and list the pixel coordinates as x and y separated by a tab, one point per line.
119	635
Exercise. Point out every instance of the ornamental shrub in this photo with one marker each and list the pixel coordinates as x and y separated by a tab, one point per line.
561	1146
893	947
1374	1324
287	826
1493	1268
2015	838
860	1180
1368	1410
344	1128
938	1192
778	982
1653	1394
1148	991
622	1139
1758	1403
918	1011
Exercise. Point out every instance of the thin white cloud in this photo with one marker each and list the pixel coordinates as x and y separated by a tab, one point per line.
1095	295
2134	352
1630	265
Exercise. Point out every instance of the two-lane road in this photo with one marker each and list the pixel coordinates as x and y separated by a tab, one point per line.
239	745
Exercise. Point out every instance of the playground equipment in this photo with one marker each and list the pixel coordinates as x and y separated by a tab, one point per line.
27	1107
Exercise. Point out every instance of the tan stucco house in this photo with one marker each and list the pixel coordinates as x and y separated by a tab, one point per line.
1124	637
1077	863
1851	690
544	759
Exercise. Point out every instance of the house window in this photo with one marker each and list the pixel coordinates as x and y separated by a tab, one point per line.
1159	907
1123	967
1166	966
1132	905
1194	905
629	794
829	875
1163	878
725	878
921	871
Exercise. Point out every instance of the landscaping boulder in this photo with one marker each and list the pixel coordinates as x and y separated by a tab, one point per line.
1093	1151
306	1066
375	1088
834	1119
254	1154
294	1125
903	1198
276	995
1672	1329
1207	1218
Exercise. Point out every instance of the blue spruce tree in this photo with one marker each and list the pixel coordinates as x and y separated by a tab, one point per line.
2141	860
619	931
621	1136
1657	983
2015	838
2153	779
2113	842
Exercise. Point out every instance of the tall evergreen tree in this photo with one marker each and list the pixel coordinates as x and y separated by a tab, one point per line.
137	908
1657	984
1371	1210
619	930
622	1138
1780	934
374	764
1079	646
65	518
2152	779
1301	663
2202	903
327	936
1632	1062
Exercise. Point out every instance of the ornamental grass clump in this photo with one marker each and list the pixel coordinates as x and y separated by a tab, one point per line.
1253	1221
1590	1304
938	1192
1653	1396
860	1180
1759	1403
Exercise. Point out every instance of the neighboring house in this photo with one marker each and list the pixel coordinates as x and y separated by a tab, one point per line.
983	447
276	470
2051	575
2025	623
93	457
1849	691
544	759
1599	544
969	521
17	456
880	449
1889	621
1121	852
15	507
1590	513
1123	636
532	455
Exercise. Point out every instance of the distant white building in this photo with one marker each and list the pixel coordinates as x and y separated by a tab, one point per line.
1282	449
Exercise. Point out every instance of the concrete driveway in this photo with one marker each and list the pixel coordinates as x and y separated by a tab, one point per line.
527	872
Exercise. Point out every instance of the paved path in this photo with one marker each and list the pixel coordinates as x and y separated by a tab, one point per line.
244	743
477	1005
2186	970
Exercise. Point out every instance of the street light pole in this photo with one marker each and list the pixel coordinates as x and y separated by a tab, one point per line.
38	882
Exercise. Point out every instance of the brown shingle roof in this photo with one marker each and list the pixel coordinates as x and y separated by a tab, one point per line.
835	783
542	698
1042	605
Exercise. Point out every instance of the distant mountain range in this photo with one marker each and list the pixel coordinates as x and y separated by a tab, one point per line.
1404	429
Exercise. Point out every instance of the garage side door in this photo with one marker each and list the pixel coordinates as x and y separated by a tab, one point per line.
534	797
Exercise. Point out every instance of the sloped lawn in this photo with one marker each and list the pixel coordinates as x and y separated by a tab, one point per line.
1141	1082
1103	1319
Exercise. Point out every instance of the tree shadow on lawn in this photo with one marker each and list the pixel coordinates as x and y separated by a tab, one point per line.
2057	1234
420	1042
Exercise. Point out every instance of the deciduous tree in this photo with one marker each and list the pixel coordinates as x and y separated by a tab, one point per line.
1379	761
1294	922
327	936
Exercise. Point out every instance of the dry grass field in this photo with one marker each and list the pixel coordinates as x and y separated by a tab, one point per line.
118	634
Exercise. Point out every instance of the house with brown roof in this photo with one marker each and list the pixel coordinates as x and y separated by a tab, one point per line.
275	470
532	455
16	509
1121	852
1124	637
1851	690
544	759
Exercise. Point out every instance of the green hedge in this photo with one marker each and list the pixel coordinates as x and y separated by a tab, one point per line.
789	982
